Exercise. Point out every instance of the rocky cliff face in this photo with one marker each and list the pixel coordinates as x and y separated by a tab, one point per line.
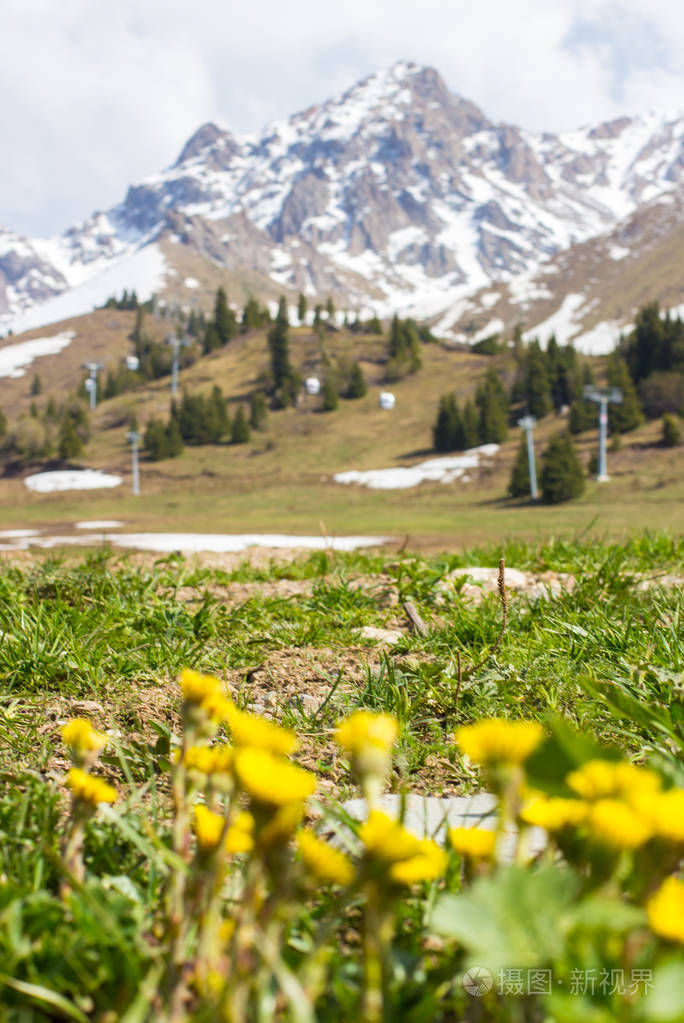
397	194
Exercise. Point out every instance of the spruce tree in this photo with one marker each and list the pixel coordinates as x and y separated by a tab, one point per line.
672	431
492	404
448	433
211	340
36	386
374	326
224	318
330	395
240	429
69	444
257	410
218	421
252	315
174	441
471	428
537	387
278	344
301	308
357	384
519	483
155	440
626	415
562	478
330	310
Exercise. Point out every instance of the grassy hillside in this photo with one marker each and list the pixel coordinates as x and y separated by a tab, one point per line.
282	479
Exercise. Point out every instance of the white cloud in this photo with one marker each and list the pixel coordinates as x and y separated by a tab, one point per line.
97	94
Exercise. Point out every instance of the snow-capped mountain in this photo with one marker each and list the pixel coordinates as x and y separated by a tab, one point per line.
397	195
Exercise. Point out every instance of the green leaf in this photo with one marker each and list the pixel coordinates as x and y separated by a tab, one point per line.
664	1003
511	919
564	751
45	995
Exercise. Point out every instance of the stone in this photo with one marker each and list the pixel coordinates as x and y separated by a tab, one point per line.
387	636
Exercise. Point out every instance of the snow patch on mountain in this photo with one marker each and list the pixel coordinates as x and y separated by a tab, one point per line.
15	359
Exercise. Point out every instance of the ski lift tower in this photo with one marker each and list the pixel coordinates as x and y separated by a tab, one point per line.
91	382
176	344
133	437
527	422
603	397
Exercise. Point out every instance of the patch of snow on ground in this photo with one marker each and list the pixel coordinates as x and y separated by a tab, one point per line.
194	543
143	269
600	340
436	470
191	282
562	323
14	359
99	524
618	252
489	299
70	479
18	534
493	327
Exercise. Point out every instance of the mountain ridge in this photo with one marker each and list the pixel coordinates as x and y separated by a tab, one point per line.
397	195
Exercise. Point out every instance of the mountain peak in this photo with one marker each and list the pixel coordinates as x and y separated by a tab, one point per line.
205	137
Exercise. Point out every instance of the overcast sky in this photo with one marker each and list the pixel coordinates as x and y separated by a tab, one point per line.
97	94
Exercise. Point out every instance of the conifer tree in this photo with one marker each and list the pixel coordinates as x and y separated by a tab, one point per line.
174	441
562	478
519	483
583	413
492	404
626	415
537	387
3	424
36	386
672	431
217	419
471	428
252	315
69	444
330	309
374	326
211	340
240	429
284	378
330	395
301	308
155	440
224	318
257	410
448	433
357	384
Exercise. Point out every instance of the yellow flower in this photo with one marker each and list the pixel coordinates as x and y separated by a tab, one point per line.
270	779
209	759
363	729
606	779
208	828
251	730
554	813
615	823
428	864
196	688
497	741
666	910
80	735
409	859
476	843
326	863
90	789
240	837
387	839
665	812
216	707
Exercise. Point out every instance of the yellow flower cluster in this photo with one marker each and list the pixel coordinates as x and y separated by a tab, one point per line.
363	729
666	910
408	859
607	779
258	733
204	696
498	741
324	862
81	737
270	779
89	789
209	827
475	843
554	813
209	760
